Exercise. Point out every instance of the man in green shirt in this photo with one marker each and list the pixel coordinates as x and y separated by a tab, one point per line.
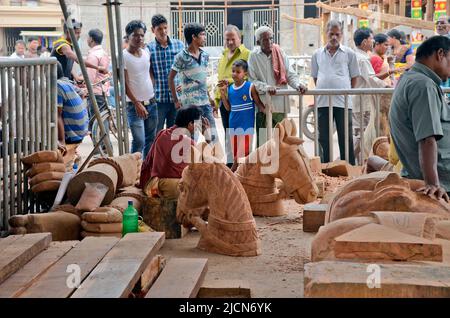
234	51
420	118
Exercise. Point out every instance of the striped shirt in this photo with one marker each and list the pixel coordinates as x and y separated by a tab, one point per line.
74	112
162	59
242	116
193	75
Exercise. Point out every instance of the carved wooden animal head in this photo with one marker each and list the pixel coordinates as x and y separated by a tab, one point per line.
294	169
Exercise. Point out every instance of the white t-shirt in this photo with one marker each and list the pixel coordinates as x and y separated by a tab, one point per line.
138	69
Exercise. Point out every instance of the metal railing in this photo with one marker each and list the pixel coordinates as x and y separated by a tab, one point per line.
347	93
300	63
28	124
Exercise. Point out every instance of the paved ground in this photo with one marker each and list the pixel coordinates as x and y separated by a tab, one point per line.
277	272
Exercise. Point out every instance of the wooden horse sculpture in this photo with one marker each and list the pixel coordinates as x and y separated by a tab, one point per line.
281	157
383	198
231	228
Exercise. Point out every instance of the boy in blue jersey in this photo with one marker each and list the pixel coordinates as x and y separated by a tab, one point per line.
72	113
239	99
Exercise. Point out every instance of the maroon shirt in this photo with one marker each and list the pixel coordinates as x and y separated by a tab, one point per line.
159	162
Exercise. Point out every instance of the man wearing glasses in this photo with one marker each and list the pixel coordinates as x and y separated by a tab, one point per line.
443	26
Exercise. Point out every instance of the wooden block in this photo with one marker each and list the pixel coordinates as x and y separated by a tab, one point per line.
316	166
399	280
336	169
161	215
225	289
378	242
313	216
121	268
87	254
181	278
24	277
21	251
152	271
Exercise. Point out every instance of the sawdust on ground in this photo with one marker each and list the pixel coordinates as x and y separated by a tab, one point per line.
278	271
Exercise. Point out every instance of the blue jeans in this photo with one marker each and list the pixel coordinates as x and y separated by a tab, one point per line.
207	112
142	130
166	113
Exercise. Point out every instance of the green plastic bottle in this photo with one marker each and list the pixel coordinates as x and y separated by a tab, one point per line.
130	219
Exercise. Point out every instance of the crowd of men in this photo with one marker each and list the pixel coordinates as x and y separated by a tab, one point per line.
168	100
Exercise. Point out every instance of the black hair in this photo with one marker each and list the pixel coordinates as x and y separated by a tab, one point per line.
394	33
59	70
360	35
380	38
158	19
96	35
76	25
39	48
192	29
241	63
32	39
431	45
187	115
135	25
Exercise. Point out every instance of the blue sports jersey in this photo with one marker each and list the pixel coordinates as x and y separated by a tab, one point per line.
242	115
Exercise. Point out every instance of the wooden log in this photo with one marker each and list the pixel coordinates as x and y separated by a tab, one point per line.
350	280
23	278
378	242
225	289
181	278
21	251
161	215
102	173
58	282
121	268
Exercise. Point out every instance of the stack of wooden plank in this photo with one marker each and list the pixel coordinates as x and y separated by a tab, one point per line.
32	265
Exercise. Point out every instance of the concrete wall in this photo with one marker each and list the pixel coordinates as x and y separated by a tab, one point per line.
93	15
295	38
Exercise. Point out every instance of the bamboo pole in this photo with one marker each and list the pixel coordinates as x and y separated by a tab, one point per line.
68	20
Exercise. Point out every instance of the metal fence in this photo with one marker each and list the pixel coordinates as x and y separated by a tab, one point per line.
347	93
28	101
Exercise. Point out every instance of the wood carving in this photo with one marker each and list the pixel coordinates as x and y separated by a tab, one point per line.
211	188
382	198
281	157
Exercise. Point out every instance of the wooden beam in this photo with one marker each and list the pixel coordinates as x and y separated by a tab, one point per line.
430	10
122	267
54	282
310	21
384	17
402	8
24	278
21	251
181	278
